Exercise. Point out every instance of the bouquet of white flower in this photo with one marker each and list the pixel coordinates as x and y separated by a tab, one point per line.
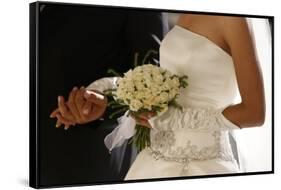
146	88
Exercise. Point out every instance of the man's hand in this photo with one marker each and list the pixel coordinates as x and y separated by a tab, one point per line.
83	106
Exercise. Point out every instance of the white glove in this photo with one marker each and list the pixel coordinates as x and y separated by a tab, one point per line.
103	84
202	119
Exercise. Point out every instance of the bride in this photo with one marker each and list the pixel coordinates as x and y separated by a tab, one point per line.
217	53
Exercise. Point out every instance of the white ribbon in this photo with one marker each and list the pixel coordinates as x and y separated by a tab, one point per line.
124	131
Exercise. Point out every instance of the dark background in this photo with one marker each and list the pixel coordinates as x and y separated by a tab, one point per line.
76	46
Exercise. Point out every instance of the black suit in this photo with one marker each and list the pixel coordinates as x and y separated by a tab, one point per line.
77	44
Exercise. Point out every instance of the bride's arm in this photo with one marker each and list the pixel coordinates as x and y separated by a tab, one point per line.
251	111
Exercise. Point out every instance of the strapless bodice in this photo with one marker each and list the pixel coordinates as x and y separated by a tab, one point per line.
210	70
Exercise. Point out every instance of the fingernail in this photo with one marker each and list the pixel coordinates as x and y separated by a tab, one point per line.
75	88
65	128
59	98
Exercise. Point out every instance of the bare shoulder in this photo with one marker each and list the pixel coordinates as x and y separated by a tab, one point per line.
205	21
231	24
232	19
234	29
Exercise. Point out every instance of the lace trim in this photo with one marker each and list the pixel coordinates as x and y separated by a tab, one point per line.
202	119
163	147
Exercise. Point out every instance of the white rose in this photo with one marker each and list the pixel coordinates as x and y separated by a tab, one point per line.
164	97
135	105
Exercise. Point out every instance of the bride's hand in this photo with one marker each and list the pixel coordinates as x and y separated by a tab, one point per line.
83	106
142	119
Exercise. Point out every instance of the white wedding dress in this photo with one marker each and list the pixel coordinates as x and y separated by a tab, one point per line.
194	141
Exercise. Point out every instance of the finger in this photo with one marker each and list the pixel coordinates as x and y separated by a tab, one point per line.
95	98
63	120
142	122
58	124
147	115
79	101
87	107
66	127
72	106
144	117
96	113
53	114
151	114
64	110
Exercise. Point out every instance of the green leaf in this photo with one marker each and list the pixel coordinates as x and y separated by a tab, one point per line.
117	112
148	53
136	59
141	138
111	71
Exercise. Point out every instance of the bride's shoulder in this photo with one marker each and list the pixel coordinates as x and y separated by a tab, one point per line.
216	22
232	22
202	19
234	28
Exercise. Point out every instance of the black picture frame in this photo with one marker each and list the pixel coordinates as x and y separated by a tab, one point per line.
37	166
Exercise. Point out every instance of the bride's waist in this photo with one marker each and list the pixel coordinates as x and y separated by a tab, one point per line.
190	144
184	137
